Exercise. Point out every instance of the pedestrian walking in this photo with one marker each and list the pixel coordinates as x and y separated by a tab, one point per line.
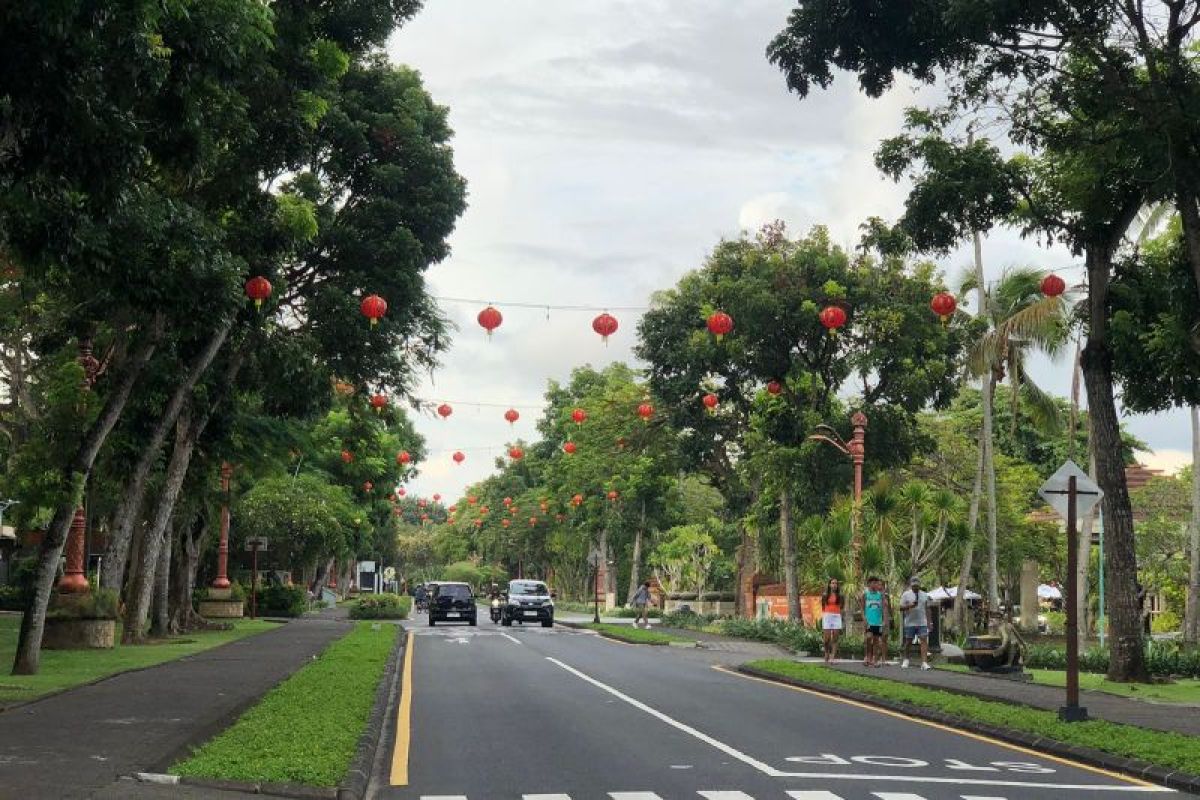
831	617
874	607
641	602
913	604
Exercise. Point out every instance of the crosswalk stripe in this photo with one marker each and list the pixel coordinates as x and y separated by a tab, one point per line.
981	797
545	797
634	796
813	795
897	796
443	797
725	796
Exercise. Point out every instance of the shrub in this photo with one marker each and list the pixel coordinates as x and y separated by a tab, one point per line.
1056	622
96	604
381	606
13	598
724	597
1165	622
282	601
465	572
1163	659
631	613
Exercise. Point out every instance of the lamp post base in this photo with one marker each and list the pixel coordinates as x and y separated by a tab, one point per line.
1073	713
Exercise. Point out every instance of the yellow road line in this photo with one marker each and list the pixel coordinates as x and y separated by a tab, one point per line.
399	776
931	724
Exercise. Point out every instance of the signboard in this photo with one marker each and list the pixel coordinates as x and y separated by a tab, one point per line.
366	566
389	573
256	543
1054	490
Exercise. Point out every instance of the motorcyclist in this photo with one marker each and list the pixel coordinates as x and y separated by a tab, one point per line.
494	592
421	595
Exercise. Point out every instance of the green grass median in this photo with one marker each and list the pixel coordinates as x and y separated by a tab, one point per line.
306	729
64	669
632	635
1173	750
1185	691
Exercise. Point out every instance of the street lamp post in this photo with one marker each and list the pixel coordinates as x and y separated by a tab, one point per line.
74	581
856	449
222	579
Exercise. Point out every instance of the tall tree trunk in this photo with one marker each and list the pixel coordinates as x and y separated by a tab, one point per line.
33	623
1191	628
1127	661
964	571
787	535
1083	558
188	428
183	577
636	561
1189	216
160	617
129	509
989	480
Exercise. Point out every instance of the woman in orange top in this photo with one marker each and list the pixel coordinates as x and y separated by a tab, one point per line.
831	618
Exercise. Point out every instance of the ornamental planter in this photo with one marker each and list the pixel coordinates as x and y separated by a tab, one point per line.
221	605
79	634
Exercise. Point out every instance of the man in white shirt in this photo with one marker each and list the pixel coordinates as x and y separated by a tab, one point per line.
913	604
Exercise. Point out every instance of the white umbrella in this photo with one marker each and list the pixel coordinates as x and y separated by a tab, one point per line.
1048	592
941	593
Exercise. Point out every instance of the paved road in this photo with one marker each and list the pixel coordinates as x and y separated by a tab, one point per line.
566	715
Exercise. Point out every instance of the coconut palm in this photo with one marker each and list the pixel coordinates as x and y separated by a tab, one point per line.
1020	321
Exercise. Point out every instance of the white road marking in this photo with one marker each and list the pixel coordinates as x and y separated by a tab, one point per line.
981	797
897	796
634	796
766	769
512	638
770	771
814	795
443	797
725	796
545	797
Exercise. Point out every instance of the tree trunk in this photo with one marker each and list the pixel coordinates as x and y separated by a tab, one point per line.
964	572
187	430
183	576
1191	628
788	538
989	479
160	617
636	561
1083	559
129	509
1127	660
1189	217
33	623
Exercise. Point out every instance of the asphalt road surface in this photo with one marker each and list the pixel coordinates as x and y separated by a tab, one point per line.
556	714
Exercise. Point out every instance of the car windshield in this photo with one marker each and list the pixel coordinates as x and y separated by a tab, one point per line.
454	592
531	588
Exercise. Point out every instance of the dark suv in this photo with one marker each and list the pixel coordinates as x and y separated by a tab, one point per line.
454	602
528	601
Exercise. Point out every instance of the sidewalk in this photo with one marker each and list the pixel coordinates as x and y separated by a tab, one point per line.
1157	716
80	742
576	618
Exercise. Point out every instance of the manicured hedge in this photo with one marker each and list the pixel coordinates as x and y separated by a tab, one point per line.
381	606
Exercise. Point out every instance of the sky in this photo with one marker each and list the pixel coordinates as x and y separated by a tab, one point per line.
608	146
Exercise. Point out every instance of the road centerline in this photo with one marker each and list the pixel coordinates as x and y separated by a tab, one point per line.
399	772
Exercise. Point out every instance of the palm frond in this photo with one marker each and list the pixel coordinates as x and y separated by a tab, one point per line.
1042	322
1042	408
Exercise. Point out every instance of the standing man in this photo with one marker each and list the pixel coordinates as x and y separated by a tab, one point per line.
913	603
641	601
874	604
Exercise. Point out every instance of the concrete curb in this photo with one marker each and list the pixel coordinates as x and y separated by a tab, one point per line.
269	789
354	785
1165	776
583	626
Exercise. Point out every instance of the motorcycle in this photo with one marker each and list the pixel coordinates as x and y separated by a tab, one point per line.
422	604
495	609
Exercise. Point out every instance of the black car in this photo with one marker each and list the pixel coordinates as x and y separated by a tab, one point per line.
454	602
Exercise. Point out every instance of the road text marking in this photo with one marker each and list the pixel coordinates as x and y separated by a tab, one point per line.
399	775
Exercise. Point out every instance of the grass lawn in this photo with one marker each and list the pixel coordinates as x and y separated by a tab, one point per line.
306	729
1183	690
1158	747
62	669
632	635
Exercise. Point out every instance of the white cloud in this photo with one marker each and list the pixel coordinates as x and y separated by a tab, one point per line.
608	147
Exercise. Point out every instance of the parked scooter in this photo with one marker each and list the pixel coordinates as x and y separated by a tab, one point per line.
496	609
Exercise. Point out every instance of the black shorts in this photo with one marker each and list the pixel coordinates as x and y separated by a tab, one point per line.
875	630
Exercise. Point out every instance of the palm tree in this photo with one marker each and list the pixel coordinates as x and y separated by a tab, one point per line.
1021	320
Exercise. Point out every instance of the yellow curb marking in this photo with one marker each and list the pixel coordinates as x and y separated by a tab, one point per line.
399	776
931	724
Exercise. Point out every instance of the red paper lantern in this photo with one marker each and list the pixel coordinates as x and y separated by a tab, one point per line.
258	289
437	498
403	457
347	456
569	448
645	411
612	495
579	415
379	402
532	521
833	317
514	510
559	517
444	410
458	457
395	512
505	522
710	401
943	304
392	497
774	387
368	486
605	325
507	502
621	442
424	518
373	307
719	324
516	453
478	523
544	505
402	491
490	319
1053	286
472	499
511	415
421	503
577	500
